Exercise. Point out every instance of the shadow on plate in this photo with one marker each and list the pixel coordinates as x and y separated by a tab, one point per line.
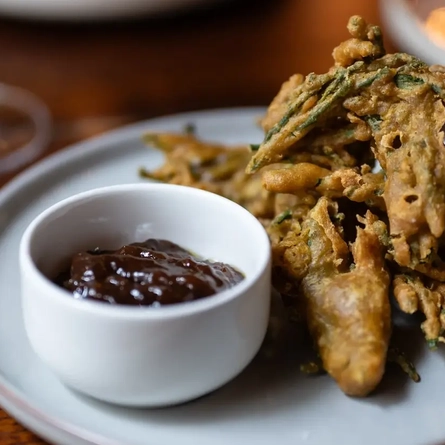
262	388
274	383
395	383
271	385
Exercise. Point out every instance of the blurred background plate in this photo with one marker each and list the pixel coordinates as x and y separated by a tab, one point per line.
80	10
406	23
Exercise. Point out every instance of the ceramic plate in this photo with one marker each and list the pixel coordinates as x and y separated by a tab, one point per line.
270	402
78	10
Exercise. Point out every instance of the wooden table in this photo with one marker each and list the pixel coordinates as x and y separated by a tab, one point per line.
96	77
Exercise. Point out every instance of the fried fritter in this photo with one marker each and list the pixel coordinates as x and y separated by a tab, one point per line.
366	43
304	112
407	129
358	187
396	103
399	100
349	313
317	101
294	178
213	167
363	142
413	293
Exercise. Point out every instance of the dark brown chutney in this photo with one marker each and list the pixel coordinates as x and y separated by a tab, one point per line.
152	273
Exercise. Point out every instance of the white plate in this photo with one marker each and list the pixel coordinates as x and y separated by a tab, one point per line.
269	403
403	20
77	10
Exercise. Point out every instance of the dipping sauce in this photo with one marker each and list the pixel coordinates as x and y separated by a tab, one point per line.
151	273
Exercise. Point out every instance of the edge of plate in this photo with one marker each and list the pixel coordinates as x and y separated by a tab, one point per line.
99	143
52	11
13	400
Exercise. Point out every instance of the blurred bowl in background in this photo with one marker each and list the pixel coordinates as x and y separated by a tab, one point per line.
25	128
415	27
80	10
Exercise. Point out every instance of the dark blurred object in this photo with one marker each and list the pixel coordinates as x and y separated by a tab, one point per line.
237	54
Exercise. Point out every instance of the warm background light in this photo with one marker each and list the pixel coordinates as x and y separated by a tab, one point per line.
435	26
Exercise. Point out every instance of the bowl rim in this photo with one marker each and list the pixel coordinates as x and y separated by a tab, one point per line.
139	312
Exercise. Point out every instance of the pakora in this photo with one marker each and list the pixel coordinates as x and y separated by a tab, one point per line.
213	167
349	182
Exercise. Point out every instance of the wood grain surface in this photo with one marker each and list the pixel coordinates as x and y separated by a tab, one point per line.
95	77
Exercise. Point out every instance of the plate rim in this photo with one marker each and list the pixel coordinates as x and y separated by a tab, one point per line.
94	11
12	399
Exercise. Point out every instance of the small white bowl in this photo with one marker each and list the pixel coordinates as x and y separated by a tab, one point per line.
138	356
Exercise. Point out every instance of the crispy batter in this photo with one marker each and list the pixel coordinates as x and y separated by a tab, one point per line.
318	99
330	156
394	101
399	100
290	252
413	160
358	187
278	105
412	295
405	294
294	178
300	119
213	167
366	42
291	255
348	311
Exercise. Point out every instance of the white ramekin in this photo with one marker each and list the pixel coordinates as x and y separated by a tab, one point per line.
148	356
